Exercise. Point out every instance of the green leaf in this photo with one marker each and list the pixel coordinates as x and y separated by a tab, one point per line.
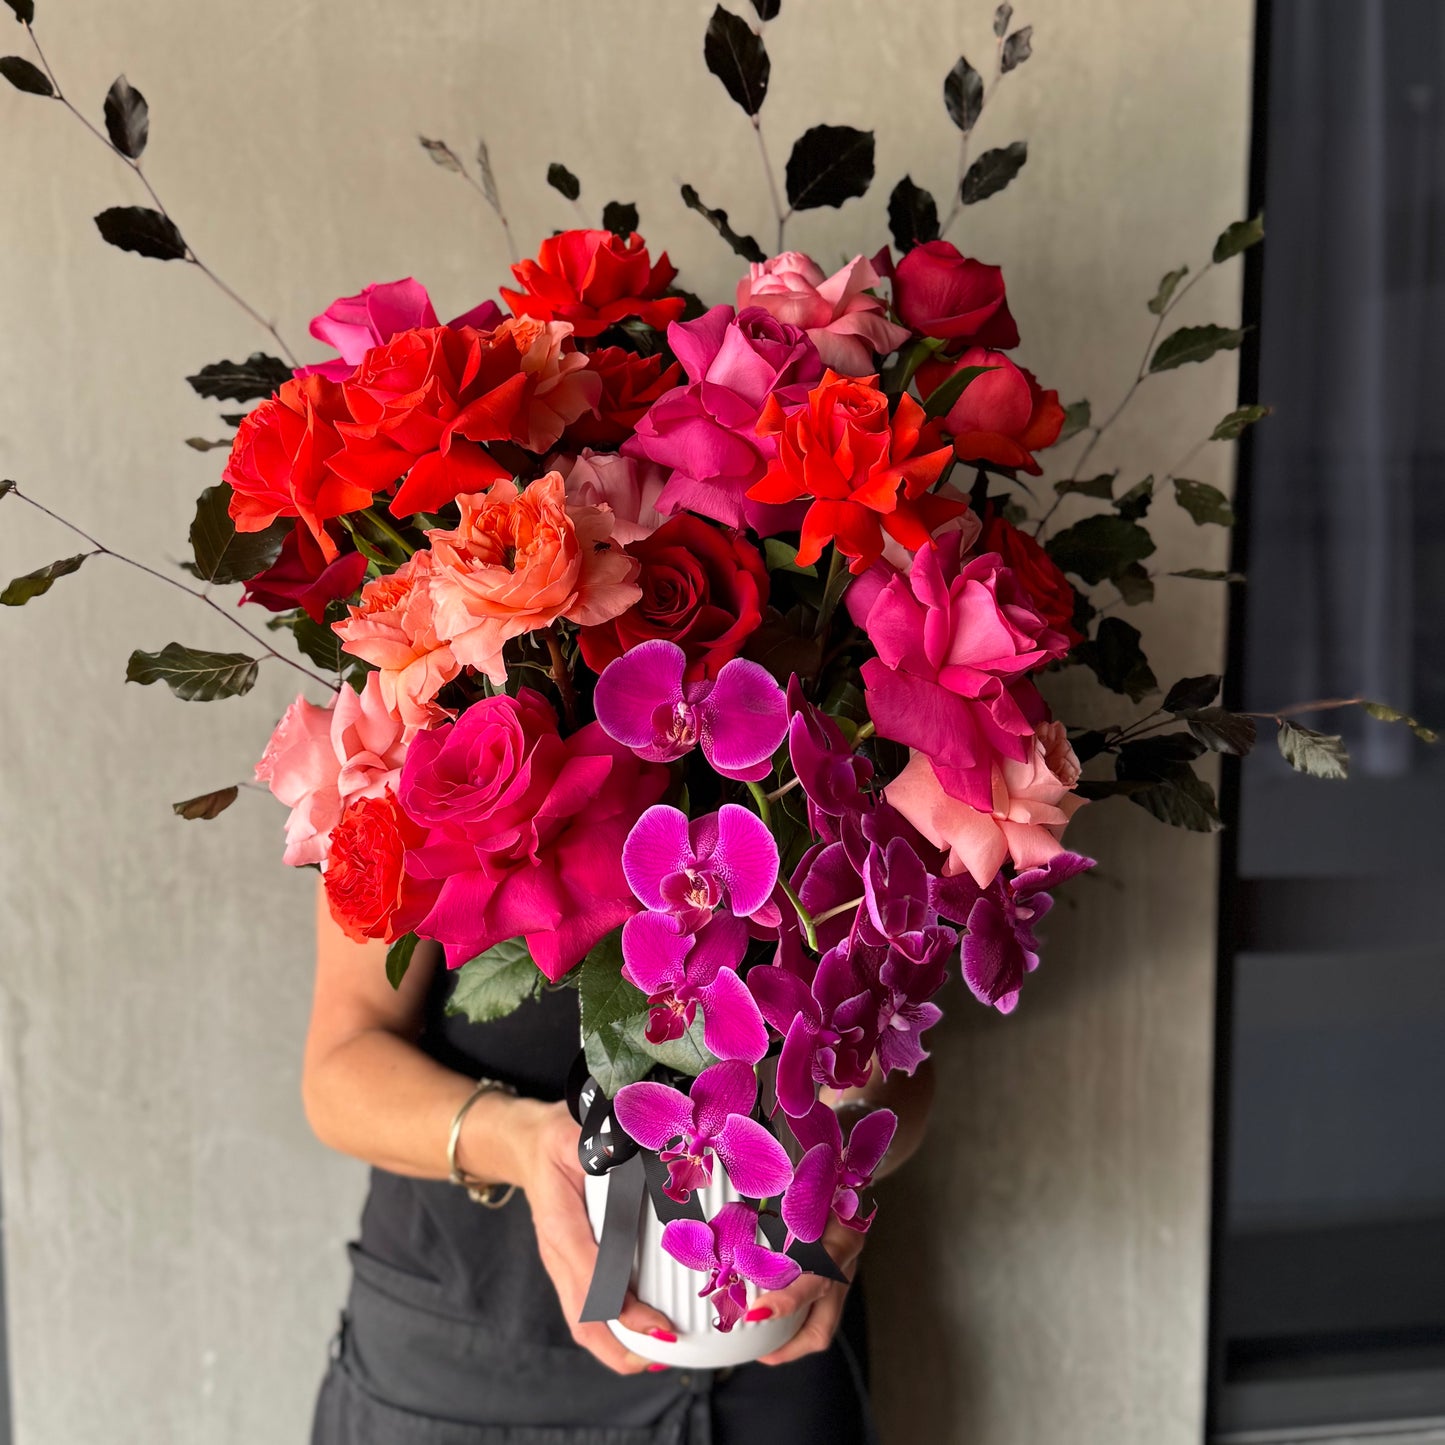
25	76
127	118
398	958
561	179
1100	547
193	675
142	230
1001	18
829	164
222	553
620	217
782	556
495	983
1135	585
1101	486
40	581
317	641
1194	343
605	996
1168	284
1238	237
614	1059
1192	692
992	171
24	10
942	397
734	52
963	95
1203	502
1135	502
1222	731
207	805
1232	427
258	376
688	1054
1116	658
1383	712
1183	802
442	155
1321	755
1206	574
744	246
1077	415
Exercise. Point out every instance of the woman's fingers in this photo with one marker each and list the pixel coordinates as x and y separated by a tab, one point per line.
803	1291
646	1320
817	1331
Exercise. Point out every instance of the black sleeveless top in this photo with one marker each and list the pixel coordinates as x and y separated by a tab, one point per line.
484	1262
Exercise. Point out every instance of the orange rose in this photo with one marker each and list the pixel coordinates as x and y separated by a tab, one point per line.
367	887
516	562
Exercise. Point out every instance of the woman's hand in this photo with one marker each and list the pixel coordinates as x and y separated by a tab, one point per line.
821	1298
551	1176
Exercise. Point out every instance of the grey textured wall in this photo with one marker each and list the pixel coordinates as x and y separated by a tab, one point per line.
173	1234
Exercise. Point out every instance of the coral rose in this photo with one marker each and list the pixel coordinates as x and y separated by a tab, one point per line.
865	473
702	588
630	384
594	279
352	325
368	889
940	292
1030	802
284	458
848	326
707	431
561	386
318	758
525	830
393	629
516	562
628	485
1002	416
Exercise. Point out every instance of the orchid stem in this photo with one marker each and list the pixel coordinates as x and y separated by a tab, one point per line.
780	792
865	732
765	811
810	929
822	918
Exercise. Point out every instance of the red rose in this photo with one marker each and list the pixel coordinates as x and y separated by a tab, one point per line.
594	279
630	384
302	577
367	886
1037	573
939	292
702	588
284	462
1003	416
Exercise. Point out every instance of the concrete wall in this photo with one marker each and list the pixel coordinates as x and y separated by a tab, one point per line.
174	1236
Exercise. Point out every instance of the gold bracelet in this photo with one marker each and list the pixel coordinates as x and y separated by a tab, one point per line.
477	1189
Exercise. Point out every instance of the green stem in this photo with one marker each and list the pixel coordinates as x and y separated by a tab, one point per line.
765	810
810	929
779	792
387	530
865	732
822	918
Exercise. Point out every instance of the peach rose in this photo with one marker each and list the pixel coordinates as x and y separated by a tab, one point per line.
560	388
1032	802
518	561
321	758
846	324
392	628
629	485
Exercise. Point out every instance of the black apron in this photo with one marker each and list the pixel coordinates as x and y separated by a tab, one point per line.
453	1334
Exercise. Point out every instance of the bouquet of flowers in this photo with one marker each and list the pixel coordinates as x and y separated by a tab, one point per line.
692	655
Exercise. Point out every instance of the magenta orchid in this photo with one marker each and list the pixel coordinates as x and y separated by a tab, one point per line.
687	1130
832	774
739	718
678	971
726	1250
727	859
830	1176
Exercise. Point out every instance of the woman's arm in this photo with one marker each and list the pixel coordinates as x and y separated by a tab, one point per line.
369	1091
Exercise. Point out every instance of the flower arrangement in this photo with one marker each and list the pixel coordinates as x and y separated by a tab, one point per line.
697	656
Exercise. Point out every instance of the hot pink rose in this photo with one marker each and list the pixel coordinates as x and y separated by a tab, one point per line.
707	431
1031	802
956	639
630	486
525	830
393	629
354	324
847	325
320	758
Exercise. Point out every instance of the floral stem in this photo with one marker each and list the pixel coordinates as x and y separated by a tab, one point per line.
387	530
772	182
832	592
765	810
780	792
191	257
822	918
102	550
1323	704
865	732
805	919
561	675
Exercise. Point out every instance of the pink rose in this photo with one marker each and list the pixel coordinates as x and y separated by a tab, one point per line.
847	325
956	639
320	758
630	486
354	324
940	292
707	431
1031	802
525	830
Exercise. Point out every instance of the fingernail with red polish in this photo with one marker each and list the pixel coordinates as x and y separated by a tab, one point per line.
653	1369
666	1336
758	1312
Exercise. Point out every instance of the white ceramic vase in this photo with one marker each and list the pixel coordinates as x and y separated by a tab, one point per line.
660	1281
